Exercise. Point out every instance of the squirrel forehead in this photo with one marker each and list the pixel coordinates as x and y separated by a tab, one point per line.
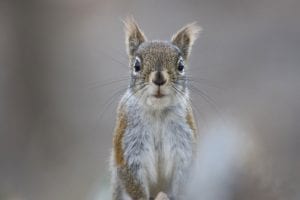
156	50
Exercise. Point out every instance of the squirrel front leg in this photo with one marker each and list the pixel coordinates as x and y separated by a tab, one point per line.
126	181
128	167
132	173
133	182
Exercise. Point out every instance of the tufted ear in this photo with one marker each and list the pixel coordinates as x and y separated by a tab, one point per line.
185	38
134	37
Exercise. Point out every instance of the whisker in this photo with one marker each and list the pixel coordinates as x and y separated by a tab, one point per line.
139	97
209	100
133	93
97	85
182	95
115	60
203	94
121	53
202	82
110	100
193	105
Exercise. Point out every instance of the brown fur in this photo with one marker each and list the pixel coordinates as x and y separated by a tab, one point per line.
118	137
190	120
158	55
133	188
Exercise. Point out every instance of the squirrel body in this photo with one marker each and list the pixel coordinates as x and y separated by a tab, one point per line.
155	135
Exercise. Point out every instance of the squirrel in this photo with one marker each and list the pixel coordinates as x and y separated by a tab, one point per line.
155	136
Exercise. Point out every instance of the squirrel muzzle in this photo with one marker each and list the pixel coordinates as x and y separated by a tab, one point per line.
159	78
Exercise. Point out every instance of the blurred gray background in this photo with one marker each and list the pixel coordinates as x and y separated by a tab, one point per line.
57	108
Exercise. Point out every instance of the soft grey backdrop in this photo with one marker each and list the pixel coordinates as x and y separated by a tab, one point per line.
57	113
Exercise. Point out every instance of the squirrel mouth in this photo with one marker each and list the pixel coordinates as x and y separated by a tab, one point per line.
158	94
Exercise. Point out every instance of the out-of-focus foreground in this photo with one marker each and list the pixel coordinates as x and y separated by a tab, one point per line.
57	113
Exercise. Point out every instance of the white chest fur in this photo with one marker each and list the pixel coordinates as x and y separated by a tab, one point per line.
160	144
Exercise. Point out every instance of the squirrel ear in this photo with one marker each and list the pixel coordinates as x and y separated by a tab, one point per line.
134	37
185	38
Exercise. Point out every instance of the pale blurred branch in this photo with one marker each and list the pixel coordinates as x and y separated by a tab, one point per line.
161	196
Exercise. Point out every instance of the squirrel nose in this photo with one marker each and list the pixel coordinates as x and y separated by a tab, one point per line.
159	79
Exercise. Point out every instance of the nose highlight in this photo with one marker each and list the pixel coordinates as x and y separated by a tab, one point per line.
159	79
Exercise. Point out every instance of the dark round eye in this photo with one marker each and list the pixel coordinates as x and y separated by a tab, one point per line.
180	66
137	65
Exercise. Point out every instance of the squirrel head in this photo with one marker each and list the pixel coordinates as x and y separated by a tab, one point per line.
158	67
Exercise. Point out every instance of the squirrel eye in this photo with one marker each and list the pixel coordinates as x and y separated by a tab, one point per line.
180	66
137	65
